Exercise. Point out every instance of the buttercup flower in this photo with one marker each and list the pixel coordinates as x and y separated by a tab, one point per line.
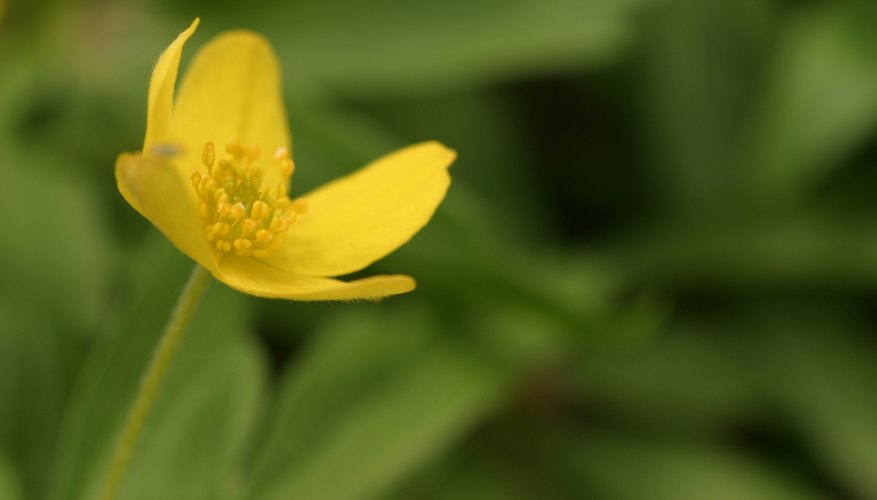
214	175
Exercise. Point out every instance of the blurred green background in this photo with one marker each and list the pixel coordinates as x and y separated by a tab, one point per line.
654	277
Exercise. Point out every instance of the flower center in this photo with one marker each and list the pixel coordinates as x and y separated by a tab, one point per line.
238	215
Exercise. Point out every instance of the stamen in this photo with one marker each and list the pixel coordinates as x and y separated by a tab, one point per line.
233	148
238	215
208	157
300	206
287	167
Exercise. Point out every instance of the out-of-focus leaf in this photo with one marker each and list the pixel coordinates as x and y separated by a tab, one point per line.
375	398
32	393
398	46
697	61
204	410
194	442
821	97
618	467
58	256
783	253
10	488
691	380
463	475
823	374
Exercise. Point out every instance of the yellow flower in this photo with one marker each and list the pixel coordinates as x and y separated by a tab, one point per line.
215	169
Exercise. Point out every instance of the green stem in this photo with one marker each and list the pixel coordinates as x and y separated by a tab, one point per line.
152	380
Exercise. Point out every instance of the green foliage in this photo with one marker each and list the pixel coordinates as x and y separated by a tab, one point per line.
653	276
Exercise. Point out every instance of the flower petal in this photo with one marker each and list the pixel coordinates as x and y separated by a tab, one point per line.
231	92
354	221
153	187
260	278
159	107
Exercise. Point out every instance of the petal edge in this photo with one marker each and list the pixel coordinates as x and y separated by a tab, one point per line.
256	277
160	100
152	186
360	218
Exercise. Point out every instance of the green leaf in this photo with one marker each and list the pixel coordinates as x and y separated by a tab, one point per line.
822	373
394	45
33	385
464	474
621	467
203	412
10	488
821	98
375	398
686	379
59	254
194	441
698	62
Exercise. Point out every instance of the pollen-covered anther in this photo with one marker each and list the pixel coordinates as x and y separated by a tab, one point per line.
238	215
287	167
248	226
208	156
260	210
237	211
263	236
233	148
300	206
242	247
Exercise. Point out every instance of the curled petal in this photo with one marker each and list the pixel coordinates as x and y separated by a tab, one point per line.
257	277
160	102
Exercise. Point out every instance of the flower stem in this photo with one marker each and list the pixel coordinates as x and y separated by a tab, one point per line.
152	380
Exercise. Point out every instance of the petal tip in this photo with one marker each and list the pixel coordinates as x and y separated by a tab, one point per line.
448	155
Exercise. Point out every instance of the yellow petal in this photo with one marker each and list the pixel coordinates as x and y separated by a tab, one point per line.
356	220
258	277
231	93
153	187
159	107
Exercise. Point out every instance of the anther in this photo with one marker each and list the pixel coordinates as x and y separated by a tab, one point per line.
237	211
300	206
233	148
221	228
202	211
260	210
263	235
287	167
220	196
206	183
208	156
248	225
238	215
223	209
242	247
